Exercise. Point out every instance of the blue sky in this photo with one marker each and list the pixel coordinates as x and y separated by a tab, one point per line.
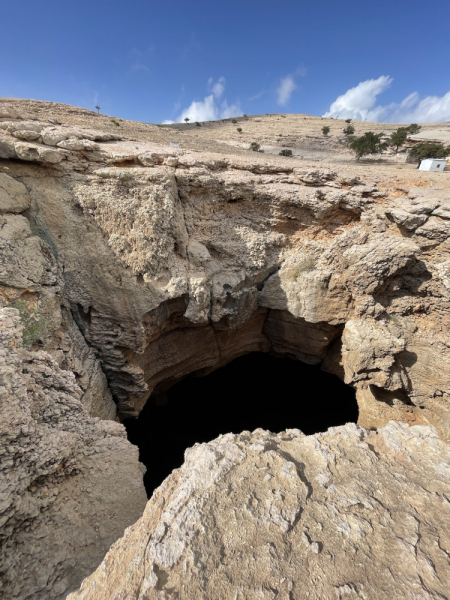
149	60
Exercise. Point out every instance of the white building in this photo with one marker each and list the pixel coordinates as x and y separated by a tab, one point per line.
433	164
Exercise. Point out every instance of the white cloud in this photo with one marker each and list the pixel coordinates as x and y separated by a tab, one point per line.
219	88
285	89
432	109
256	96
230	110
205	110
167	122
209	109
359	103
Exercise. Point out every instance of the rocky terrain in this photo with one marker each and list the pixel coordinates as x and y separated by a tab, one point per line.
132	264
347	514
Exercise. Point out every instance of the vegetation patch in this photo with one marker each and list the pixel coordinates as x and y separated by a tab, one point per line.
369	143
428	150
33	323
307	264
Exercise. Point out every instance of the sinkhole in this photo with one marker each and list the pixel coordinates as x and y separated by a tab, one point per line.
255	390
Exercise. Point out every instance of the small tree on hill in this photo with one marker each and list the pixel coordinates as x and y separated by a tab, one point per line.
325	130
413	128
186	120
398	138
369	143
348	120
427	150
286	153
255	147
349	130
98	109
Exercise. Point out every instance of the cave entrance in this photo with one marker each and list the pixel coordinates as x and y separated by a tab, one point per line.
255	390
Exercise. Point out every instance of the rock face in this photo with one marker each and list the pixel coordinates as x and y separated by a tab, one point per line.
133	264
346	514
70	484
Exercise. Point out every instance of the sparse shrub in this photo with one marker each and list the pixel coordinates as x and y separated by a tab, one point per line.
245	115
428	150
325	130
233	121
398	138
394	318
413	128
321	284
116	123
348	120
33	323
286	153
239	129
369	143
197	123
280	135
307	264
349	130
35	110
255	147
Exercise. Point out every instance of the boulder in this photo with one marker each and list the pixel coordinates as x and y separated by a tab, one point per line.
7	112
406	219
14	196
345	514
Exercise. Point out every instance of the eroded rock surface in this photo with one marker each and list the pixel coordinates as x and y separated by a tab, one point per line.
69	483
346	514
134	264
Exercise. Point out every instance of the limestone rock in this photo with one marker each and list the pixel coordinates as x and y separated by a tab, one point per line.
345	514
26	134
8	112
69	484
148	263
14	197
406	219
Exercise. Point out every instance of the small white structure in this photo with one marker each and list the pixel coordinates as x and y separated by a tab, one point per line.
433	164
175	144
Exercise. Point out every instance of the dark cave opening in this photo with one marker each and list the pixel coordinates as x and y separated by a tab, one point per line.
255	390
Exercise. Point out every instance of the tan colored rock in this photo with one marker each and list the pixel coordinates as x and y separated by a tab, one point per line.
14	197
69	484
345	514
148	263
26	134
7	112
406	219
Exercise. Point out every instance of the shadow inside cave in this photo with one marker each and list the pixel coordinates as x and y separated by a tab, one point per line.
255	390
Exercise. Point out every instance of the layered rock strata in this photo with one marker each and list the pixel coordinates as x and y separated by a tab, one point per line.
69	483
134	264
191	260
346	514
